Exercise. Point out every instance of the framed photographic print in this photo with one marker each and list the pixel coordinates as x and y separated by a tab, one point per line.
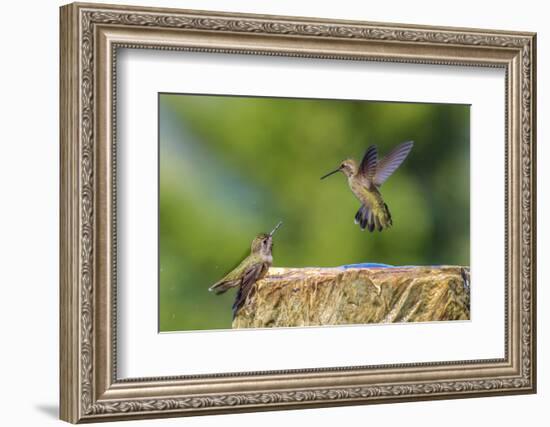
228	162
264	212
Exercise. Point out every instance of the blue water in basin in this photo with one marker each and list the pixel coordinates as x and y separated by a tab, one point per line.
367	265
379	265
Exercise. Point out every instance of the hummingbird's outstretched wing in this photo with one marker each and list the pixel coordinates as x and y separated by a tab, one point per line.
391	162
367	168
251	276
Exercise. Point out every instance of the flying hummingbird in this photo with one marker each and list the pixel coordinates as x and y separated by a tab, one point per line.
365	181
253	268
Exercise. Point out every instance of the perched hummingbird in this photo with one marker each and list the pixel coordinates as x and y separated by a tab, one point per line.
253	268
365	181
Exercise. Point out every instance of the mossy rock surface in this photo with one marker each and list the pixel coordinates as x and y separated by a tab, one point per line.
289	297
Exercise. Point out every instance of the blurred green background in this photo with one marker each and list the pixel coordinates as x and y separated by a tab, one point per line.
231	167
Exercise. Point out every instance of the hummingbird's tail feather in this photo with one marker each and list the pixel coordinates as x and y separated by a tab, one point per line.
387	216
359	215
362	217
223	286
373	220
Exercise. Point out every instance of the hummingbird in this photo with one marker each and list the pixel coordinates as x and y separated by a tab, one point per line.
365	181
253	268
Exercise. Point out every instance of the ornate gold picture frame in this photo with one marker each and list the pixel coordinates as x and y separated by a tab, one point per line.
91	34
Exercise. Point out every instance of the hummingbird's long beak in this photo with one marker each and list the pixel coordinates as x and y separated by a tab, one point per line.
276	228
330	173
